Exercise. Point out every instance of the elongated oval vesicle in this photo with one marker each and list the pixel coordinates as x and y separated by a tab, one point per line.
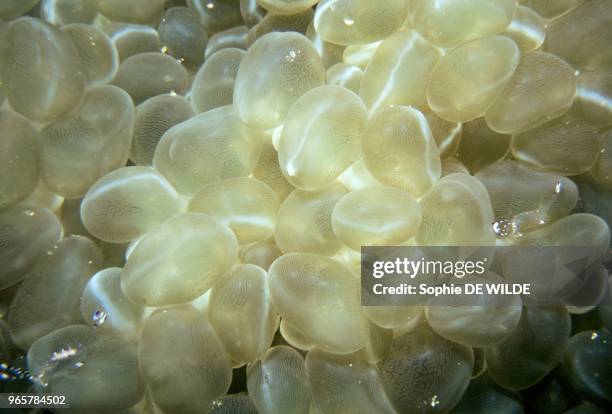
180	31
246	205
325	125
14	8
19	159
345	75
104	306
320	297
456	212
526	29
154	117
99	57
593	101
150	74
213	85
580	229
139	11
345	384
581	35
49	297
76	363
268	171
423	372
564	146
466	81
276	70
532	351
542	88
294	337
304	221
261	254
547	198
216	15
209	147
480	146
26	234
78	150
132	39
240	310
42	70
451	23
62	12
376	216
273	22
398	72
178	347
399	150
346	22
179	260
277	383
475	320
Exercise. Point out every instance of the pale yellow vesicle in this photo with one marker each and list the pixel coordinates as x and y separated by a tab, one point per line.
320	297
44	197
179	260
360	55
79	149
209	147
179	347
138	11
320	137
216	15
42	70
131	39
355	22
344	75
395	317
564	146
99	57
19	159
542	88
456	212
286	6
551	9
423	372
526	29
48	299
154	117
449	23
230	38
240	310
519	207
399	150
480	146
330	53
213	85
304	221
261	253
276	70
268	171
294	337
26	234
246	205
13	8
593	101
399	71
105	307
345	384
150	74
357	176
127	203
376	216
466	81
77	364
582	35
183	36
475	320
62	12
278	384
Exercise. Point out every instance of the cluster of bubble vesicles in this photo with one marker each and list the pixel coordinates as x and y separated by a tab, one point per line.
185	186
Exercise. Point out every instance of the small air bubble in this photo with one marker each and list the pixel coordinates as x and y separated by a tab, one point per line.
99	317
